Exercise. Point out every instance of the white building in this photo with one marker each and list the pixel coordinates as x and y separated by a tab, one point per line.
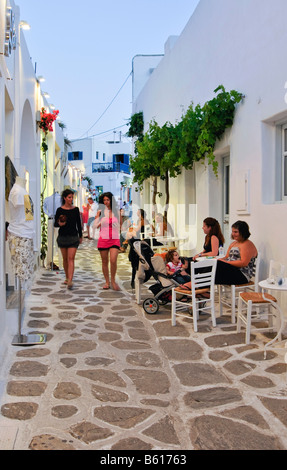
241	45
106	164
21	100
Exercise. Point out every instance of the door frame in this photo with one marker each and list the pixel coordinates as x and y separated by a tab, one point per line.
226	198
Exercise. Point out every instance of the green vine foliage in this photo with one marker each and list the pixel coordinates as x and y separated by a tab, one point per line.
89	181
136	126
44	225
170	148
46	126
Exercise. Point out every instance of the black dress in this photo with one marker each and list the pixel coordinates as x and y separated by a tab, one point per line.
69	233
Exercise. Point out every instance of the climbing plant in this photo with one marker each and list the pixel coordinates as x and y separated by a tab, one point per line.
203	126
165	150
46	126
136	126
89	181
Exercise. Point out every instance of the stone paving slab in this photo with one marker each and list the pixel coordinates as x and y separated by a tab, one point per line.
111	377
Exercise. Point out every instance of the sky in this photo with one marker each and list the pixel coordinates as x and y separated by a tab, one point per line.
85	51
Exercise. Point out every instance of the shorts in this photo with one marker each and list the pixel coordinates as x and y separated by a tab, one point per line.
90	221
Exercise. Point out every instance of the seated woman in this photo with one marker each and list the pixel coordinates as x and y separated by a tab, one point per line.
162	227
237	267
213	238
125	224
142	222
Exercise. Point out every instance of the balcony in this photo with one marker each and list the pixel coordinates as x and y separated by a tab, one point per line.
109	167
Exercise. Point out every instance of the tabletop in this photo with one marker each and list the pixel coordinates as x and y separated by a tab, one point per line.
267	284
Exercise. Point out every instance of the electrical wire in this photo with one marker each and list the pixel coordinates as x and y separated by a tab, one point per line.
108	105
103	132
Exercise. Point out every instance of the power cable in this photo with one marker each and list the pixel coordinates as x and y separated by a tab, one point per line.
108	105
103	132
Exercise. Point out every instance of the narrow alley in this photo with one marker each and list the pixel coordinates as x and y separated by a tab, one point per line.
111	377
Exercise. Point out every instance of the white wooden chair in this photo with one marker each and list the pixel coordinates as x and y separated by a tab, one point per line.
228	295
202	283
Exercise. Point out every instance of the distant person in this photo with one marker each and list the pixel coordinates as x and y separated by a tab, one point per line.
6	230
92	207
131	209
85	215
139	227
162	227
125	224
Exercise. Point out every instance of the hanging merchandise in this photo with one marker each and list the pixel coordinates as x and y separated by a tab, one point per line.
21	245
21	231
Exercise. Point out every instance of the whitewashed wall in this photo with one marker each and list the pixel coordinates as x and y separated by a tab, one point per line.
20	99
90	146
241	45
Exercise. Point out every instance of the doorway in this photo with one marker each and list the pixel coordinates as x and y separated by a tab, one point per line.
226	199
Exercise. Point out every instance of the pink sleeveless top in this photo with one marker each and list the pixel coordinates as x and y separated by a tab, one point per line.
109	233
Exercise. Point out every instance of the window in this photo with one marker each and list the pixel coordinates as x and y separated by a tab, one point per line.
75	156
284	162
97	155
104	157
274	159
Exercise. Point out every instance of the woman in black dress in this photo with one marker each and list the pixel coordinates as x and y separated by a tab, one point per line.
70	233
213	238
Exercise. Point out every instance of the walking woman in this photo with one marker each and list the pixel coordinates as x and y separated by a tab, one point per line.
70	233
109	237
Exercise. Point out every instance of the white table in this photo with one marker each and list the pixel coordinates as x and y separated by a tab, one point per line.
164	240
266	285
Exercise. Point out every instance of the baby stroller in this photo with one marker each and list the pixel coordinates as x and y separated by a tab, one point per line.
153	266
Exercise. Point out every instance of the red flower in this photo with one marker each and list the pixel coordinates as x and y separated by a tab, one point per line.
47	119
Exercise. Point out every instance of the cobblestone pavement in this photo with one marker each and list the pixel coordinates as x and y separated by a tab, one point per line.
110	377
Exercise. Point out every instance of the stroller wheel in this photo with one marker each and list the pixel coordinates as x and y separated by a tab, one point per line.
150	306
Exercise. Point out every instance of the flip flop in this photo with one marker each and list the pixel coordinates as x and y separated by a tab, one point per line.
105	287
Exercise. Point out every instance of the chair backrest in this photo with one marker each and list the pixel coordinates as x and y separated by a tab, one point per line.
276	269
203	274
256	274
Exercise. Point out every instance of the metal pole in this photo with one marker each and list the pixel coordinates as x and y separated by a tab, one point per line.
19	307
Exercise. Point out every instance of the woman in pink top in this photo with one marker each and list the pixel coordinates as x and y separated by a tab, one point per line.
109	237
